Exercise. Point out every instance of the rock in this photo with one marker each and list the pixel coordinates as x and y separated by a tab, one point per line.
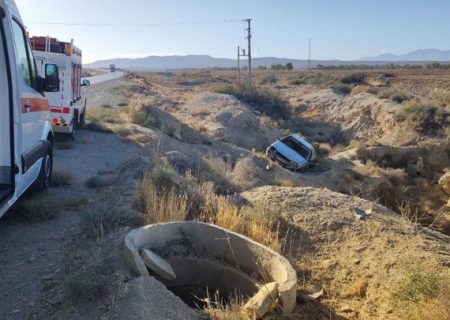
158	265
444	182
147	298
360	214
263	300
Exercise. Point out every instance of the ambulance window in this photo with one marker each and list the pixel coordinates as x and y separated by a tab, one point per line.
21	52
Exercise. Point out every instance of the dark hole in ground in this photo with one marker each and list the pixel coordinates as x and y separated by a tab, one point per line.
199	279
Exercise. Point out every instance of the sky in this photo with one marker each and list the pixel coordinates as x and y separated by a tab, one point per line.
339	29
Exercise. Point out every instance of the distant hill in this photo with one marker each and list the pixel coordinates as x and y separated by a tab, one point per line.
189	62
417	55
205	61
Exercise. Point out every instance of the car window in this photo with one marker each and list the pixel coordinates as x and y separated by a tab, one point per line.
22	52
297	147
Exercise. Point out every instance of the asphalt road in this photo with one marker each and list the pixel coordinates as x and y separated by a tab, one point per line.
105	77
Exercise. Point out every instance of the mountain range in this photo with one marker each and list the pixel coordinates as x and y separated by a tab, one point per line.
204	61
417	55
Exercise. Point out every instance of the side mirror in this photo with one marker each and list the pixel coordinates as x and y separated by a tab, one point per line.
51	78
85	83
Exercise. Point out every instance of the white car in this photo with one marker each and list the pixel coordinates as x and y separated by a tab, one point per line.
26	136
292	152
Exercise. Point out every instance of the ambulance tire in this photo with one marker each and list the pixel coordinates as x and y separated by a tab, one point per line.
74	125
82	119
45	175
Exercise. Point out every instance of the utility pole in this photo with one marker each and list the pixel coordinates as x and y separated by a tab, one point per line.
239	64
249	52
309	54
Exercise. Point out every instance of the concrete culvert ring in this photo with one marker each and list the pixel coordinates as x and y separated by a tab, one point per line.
206	258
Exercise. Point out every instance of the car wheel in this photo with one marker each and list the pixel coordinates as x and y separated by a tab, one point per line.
45	175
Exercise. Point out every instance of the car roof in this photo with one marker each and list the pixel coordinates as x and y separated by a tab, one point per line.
288	152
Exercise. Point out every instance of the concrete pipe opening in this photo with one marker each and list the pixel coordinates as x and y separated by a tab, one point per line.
205	259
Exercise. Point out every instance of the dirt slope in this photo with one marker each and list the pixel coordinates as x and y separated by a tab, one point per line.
337	251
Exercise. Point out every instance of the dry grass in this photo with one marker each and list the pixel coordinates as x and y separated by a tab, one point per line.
164	195
216	309
61	178
160	205
357	289
422	291
262	99
97	182
363	89
122	130
108	115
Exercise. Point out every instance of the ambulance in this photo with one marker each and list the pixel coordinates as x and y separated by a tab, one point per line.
68	108
26	137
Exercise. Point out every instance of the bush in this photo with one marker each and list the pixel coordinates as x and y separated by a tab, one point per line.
422	291
342	89
395	96
61	178
399	97
262	99
103	115
122	131
428	119
144	118
362	89
354	78
96	182
103	218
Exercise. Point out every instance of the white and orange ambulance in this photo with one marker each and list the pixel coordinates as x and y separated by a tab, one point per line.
26	137
68	108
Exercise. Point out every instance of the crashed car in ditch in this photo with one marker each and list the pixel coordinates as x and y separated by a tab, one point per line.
292	152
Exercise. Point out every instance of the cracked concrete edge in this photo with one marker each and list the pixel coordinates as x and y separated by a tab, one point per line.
235	249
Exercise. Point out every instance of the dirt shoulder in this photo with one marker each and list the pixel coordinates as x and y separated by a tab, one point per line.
33	254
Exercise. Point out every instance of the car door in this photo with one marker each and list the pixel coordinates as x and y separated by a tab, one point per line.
34	106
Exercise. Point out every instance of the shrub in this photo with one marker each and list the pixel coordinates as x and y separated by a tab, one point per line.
90	279
144	118
399	97
342	89
262	99
297	82
103	115
395	96
97	126
362	89
354	78
122	130
96	182
61	178
159	197
423	291
104	218
428	119
106	106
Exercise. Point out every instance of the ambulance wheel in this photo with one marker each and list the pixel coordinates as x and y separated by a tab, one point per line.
82	119
45	175
73	133
74	125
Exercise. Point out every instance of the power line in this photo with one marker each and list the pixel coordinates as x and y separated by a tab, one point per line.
110	24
